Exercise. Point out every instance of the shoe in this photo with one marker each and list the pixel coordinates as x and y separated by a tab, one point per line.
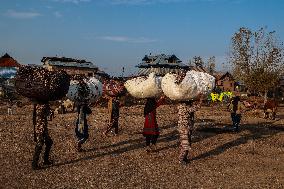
47	162
35	166
236	129
183	162
148	149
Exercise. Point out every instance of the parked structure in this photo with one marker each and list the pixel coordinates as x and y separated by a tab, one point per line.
161	64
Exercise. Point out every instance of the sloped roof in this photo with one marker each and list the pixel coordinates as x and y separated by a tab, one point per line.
159	71
197	68
161	61
68	62
7	61
226	74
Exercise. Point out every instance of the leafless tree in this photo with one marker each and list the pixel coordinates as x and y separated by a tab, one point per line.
257	59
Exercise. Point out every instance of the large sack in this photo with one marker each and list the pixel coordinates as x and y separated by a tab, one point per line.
85	90
144	87
193	84
40	84
113	88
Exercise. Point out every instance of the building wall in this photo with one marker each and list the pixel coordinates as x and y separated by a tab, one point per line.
226	84
73	70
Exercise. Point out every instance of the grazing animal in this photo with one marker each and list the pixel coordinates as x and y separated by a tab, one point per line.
270	108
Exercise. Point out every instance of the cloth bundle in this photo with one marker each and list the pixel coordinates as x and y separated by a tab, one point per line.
85	90
113	88
144	87
40	84
193	84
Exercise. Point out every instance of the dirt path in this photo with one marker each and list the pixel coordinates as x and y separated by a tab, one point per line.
252	158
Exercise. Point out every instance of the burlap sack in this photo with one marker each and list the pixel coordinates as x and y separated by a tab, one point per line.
40	84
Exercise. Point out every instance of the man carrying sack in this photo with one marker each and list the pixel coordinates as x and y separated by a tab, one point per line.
41	135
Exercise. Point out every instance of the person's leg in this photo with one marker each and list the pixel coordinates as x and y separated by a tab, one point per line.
115	125
233	115
184	144
109	126
148	140
83	138
237	120
48	144
38	148
154	139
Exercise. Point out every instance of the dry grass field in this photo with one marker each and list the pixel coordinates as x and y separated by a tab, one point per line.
252	158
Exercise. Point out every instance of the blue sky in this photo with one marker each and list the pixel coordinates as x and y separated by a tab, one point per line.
118	33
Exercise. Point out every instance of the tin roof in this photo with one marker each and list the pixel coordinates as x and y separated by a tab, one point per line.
161	61
68	62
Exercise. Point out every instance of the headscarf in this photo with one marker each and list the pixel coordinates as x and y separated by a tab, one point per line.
150	106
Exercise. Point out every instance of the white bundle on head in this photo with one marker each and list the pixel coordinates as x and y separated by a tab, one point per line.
142	87
92	92
193	84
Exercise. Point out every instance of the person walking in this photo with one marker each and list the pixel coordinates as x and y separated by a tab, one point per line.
236	108
41	135
151	130
186	110
113	111
9	107
82	127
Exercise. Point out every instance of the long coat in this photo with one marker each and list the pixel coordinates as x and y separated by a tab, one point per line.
150	124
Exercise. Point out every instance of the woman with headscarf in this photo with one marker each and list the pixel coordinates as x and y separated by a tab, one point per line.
151	130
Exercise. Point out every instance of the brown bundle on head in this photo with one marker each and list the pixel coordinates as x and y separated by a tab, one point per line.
114	88
40	84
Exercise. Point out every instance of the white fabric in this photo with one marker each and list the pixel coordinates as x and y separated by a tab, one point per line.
142	87
193	84
95	87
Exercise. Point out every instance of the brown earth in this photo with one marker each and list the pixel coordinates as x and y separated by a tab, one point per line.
252	158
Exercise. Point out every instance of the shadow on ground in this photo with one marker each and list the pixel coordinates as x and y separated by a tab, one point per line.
247	132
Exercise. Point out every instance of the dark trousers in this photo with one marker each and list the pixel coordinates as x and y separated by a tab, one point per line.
113	124
151	139
236	119
42	139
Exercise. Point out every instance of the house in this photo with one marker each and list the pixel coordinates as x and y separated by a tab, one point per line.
70	65
161	64
8	66
225	81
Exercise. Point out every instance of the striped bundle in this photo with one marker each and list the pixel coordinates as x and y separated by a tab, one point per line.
113	88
